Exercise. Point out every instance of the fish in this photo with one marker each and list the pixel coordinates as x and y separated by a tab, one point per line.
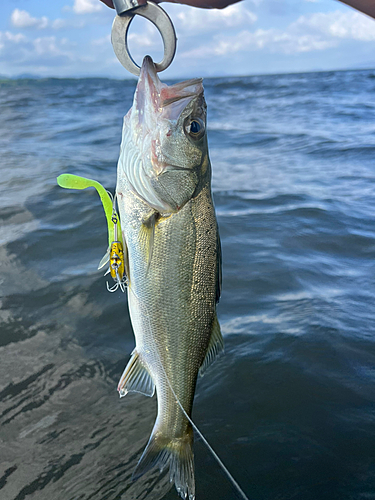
173	262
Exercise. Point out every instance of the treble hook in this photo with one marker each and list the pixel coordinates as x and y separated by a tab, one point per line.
116	255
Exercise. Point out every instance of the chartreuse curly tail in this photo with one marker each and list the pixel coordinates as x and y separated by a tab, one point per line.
70	181
115	252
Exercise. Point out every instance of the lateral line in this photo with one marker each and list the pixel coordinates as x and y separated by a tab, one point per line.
214	454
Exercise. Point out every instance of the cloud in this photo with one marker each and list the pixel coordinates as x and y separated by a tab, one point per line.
49	46
349	25
86	6
11	37
8	38
102	41
316	32
144	41
22	19
59	24
275	41
271	40
201	21
19	53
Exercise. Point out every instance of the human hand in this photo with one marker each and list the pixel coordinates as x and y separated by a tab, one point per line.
203	4
366	6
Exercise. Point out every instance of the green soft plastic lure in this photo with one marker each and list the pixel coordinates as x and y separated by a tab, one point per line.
115	254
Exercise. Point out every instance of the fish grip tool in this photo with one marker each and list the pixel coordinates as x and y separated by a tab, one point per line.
126	10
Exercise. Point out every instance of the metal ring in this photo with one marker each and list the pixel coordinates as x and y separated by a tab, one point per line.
160	19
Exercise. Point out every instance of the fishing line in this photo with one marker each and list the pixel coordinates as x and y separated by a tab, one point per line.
214	454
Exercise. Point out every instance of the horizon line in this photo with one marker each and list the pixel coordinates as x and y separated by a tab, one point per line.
31	76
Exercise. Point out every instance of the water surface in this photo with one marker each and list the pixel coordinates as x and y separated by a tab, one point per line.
290	407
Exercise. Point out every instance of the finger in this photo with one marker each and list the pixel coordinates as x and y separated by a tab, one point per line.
366	6
205	4
108	2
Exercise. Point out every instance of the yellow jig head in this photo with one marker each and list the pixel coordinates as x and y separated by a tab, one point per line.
116	261
115	254
116	257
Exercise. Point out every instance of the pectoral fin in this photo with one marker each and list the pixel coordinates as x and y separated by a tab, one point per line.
215	347
136	378
105	259
148	235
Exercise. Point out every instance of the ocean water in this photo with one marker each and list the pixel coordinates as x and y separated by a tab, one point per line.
290	407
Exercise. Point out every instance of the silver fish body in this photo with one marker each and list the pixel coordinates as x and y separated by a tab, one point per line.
173	262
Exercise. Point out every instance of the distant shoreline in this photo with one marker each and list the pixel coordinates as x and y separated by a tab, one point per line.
28	77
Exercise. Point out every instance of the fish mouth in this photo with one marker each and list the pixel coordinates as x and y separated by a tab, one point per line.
148	68
154	97
147	93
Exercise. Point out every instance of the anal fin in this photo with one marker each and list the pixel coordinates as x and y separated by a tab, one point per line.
215	346
136	378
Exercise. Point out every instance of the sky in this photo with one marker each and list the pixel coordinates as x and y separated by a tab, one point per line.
71	38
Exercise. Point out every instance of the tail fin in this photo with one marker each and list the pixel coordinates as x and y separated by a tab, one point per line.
177	453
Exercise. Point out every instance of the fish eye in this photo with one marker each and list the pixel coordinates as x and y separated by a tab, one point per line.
194	128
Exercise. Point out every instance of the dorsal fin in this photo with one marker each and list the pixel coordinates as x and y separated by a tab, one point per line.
219	267
215	346
136	378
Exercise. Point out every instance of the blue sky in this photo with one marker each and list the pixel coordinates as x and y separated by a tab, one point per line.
71	38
